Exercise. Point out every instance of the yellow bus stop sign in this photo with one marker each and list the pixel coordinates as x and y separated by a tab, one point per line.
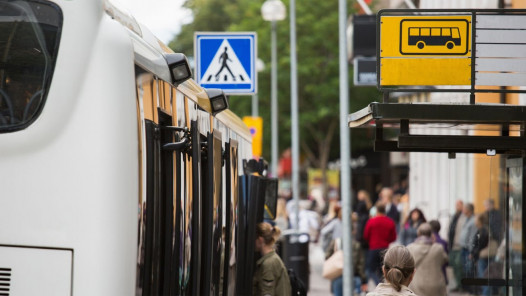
425	50
255	125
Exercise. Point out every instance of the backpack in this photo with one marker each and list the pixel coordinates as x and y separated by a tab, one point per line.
297	287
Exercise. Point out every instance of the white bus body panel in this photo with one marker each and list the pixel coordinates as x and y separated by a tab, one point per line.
70	180
37	271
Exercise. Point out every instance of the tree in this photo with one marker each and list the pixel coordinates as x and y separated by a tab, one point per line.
318	70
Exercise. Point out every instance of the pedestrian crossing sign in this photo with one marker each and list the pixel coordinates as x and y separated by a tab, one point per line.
226	60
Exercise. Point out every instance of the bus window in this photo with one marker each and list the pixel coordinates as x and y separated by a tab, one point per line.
29	37
425	32
446	31
435	31
455	33
414	31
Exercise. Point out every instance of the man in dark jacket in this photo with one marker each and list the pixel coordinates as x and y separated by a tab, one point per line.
391	211
452	227
455	249
494	219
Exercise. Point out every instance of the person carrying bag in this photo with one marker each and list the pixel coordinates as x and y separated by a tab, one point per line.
333	265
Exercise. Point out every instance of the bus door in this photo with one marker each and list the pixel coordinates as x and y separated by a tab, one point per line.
194	206
252	197
232	218
159	211
212	215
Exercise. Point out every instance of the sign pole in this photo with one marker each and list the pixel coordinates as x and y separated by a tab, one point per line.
345	151
255	101
294	113
274	103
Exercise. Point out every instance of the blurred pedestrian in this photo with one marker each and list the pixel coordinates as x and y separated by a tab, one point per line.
331	230
309	221
494	219
435	227
359	277
429	257
270	275
455	248
484	249
412	222
362	212
358	259
466	240
403	187
379	232
285	164
398	270
391	210
282	218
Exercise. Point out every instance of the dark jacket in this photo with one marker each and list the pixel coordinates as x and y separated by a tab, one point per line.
495	224
271	277
363	217
480	241
394	214
452	229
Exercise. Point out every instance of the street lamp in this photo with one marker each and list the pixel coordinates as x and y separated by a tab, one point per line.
272	11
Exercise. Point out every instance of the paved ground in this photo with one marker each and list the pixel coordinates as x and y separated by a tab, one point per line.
321	287
318	285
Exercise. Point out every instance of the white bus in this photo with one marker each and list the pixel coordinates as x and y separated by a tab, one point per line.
118	176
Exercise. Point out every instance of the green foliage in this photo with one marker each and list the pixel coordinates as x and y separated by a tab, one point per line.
318	67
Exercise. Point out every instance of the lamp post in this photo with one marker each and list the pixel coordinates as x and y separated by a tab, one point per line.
345	148
272	11
295	133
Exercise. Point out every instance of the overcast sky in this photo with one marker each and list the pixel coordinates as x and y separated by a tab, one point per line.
163	17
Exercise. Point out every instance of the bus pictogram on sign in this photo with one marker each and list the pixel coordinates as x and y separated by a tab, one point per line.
421	37
434	37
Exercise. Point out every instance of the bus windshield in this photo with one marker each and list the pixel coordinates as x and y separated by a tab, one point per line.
29	37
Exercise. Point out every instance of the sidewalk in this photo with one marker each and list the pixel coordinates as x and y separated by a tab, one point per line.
318	285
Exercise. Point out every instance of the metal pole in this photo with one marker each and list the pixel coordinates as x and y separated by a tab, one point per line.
294	112
255	101
345	151
274	103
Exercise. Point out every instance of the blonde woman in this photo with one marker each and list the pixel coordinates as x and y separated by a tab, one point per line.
398	271
271	276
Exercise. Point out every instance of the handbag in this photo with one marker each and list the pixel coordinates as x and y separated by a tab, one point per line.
333	266
490	250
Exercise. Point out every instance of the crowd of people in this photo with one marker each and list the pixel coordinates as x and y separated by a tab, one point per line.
384	220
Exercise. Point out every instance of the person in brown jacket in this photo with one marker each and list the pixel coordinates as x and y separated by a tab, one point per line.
429	259
270	277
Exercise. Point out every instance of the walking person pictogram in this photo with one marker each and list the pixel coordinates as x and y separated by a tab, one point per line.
223	60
